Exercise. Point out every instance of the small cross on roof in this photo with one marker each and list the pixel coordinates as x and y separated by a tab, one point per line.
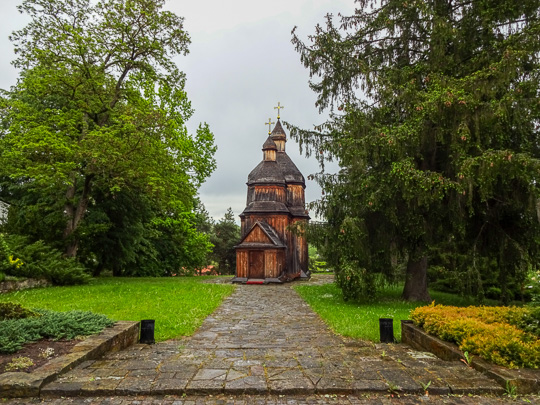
278	108
269	123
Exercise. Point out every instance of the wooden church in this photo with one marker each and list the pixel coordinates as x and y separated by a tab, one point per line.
268	251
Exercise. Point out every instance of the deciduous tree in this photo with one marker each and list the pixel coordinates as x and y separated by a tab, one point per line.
100	105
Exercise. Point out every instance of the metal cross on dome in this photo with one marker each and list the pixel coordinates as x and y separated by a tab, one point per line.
269	123
278	108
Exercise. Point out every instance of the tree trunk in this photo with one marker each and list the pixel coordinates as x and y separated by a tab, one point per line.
97	270
416	280
75	213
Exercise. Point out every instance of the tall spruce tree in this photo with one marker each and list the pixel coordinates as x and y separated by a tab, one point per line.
435	125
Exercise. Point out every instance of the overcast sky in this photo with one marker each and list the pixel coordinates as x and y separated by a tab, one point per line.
241	64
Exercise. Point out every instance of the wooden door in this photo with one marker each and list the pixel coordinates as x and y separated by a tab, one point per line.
256	264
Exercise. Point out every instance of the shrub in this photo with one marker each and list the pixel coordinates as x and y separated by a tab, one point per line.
19	363
10	310
532	286
530	321
5	253
38	260
355	283
507	336
14	333
505	345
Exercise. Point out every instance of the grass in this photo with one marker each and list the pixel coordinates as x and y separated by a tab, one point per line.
178	305
361	319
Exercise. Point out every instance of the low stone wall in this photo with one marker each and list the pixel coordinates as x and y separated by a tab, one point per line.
8	286
526	381
118	337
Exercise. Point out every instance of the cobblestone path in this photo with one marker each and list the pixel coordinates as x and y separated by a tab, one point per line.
265	340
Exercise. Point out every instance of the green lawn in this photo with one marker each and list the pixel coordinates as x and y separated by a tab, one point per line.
179	304
361	319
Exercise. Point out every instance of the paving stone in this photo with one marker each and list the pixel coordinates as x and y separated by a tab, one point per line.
256	370
401	379
169	386
334	385
106	372
210	374
479	385
205	386
105	386
365	385
247	385
138	365
283	362
139	373
287	387
133	386
234	375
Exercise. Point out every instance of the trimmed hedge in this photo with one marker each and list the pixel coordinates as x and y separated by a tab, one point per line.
507	336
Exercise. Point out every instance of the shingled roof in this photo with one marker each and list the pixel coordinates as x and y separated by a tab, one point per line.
288	169
266	172
269	144
266	206
278	132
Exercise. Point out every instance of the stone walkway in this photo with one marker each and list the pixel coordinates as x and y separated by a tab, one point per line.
265	340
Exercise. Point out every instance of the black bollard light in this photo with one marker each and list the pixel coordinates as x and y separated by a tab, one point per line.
386	329
147	331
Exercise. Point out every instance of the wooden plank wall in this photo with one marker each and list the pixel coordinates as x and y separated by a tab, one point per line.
277	221
257	236
295	195
274	262
241	263
270	193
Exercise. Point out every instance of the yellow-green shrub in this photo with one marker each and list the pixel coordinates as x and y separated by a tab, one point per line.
489	332
505	345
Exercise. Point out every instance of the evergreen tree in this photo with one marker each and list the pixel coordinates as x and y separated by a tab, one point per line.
435	125
225	235
204	222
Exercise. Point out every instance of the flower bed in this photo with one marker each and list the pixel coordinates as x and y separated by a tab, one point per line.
507	336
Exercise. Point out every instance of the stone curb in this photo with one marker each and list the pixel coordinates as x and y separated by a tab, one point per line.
110	389
526	381
315	399
118	337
